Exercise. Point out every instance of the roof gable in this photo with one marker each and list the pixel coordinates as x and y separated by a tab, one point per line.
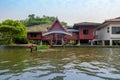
56	26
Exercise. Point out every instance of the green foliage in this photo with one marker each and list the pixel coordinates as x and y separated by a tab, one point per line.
35	20
64	23
39	47
31	16
21	40
2	42
12	29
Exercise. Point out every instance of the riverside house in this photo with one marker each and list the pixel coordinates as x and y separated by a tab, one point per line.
108	33
54	34
85	33
57	34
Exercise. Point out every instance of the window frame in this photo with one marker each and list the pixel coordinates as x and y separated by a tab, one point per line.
115	30
33	34
85	31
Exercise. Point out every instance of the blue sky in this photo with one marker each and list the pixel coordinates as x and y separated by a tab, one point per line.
71	11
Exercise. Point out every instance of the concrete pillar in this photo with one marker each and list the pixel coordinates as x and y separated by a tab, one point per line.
97	42
41	42
110	42
78	42
91	43
103	42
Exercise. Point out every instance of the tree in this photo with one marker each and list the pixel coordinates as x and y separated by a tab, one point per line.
31	16
12	29
35	20
64	23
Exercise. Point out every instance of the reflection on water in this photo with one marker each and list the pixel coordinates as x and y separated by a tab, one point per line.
63	64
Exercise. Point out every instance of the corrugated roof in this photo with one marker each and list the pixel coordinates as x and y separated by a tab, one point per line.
86	23
114	19
107	22
38	28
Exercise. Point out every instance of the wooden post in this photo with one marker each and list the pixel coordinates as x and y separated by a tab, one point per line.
31	50
36	48
51	42
62	42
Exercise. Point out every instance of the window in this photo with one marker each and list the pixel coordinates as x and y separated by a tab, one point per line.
85	31
107	29
33	34
115	30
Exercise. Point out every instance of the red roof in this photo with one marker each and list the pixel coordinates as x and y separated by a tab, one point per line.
53	26
56	28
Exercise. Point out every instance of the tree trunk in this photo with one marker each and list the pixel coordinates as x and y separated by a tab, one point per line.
11	40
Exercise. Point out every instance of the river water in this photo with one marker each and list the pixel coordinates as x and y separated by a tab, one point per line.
61	64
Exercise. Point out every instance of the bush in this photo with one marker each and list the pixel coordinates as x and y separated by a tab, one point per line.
20	40
3	42
39	47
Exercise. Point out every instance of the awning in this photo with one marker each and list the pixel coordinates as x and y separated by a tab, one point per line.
56	32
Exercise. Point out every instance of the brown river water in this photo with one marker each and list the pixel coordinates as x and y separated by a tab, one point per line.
61	64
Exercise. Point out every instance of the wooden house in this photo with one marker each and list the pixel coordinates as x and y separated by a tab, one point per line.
57	34
86	31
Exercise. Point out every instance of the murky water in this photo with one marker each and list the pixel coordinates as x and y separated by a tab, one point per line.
64	64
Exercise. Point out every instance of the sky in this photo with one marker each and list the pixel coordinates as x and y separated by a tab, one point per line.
70	11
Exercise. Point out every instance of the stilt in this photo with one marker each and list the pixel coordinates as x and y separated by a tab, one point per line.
62	41
97	42
51	43
31	50
35	48
91	42
110	42
41	42
103	42
78	43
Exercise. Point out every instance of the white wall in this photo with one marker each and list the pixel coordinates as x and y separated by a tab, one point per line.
114	36
103	34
